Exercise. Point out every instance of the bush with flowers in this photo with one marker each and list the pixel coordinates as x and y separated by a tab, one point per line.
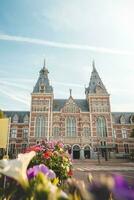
38	173
40	183
54	156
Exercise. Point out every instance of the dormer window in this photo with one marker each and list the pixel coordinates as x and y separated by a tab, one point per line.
122	119
42	88
113	119
26	119
132	119
15	118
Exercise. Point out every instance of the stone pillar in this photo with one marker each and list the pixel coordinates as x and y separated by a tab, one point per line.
82	153
92	154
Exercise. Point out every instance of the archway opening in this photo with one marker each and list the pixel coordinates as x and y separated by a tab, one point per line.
76	152
87	152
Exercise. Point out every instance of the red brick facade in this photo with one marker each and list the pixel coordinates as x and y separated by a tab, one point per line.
83	118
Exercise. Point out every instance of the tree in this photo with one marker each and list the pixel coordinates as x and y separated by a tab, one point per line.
1	114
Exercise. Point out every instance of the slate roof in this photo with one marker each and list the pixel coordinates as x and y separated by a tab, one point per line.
81	103
117	115
95	81
43	80
21	114
59	103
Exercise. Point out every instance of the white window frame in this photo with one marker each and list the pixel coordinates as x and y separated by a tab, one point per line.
71	126
13	133
41	126
101	127
124	133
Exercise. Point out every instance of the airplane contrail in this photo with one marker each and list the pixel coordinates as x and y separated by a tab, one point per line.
64	45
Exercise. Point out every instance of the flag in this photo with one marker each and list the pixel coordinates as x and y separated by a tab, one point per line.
4	129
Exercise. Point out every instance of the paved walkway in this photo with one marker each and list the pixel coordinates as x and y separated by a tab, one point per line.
111	165
103	168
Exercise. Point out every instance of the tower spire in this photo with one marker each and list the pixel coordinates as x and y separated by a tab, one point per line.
93	64
70	90
95	83
43	80
44	66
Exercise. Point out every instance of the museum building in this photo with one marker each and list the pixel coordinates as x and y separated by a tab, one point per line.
86	126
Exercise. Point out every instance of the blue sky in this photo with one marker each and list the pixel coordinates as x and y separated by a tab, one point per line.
69	34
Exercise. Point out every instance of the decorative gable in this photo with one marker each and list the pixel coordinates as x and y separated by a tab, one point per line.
71	106
15	118
26	119
132	119
122	119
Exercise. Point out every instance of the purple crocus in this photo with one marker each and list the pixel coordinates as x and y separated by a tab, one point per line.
51	174
121	190
32	172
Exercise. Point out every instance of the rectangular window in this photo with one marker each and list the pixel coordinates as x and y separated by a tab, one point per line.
116	148
24	146
124	133
114	133
126	148
12	148
13	133
25	133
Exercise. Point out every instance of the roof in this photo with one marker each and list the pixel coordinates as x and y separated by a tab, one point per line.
58	104
117	115
95	83
43	81
20	114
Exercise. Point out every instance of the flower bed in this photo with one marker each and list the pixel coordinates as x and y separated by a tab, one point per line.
34	175
53	155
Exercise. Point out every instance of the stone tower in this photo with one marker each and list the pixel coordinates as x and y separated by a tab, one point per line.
41	109
100	111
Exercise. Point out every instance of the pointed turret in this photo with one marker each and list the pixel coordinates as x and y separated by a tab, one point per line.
70	91
95	85
43	85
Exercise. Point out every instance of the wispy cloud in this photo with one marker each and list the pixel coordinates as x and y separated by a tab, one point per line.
14	97
65	45
14	91
17	79
68	84
16	85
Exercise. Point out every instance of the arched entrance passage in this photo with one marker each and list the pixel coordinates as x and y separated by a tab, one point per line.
76	152
87	152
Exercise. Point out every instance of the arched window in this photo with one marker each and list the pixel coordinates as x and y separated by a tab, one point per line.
41	127
101	127
71	126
